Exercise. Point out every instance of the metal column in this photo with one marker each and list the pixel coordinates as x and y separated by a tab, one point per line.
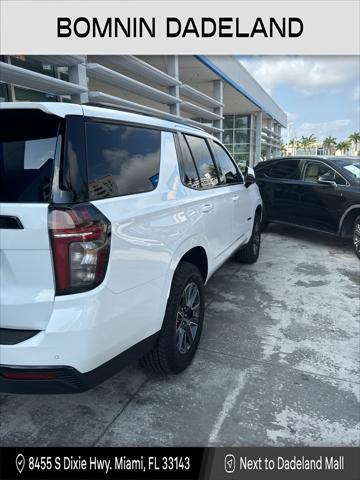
257	133
77	74
218	93
269	150
173	70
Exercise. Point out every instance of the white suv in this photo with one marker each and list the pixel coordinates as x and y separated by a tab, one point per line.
110	225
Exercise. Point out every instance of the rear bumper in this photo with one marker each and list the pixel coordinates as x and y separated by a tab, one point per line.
32	380
89	337
85	330
64	379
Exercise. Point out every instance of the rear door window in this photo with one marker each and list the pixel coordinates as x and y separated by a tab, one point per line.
27	152
228	172
189	172
287	169
122	159
204	163
262	170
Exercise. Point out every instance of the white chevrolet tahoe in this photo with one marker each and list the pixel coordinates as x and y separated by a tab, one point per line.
111	223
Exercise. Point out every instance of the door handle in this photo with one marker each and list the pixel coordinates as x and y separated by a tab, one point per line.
235	198
207	208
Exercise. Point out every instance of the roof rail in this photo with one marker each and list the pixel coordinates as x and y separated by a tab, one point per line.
178	120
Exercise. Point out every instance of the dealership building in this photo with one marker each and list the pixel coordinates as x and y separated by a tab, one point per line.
214	92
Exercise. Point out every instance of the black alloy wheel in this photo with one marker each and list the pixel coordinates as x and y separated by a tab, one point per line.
181	330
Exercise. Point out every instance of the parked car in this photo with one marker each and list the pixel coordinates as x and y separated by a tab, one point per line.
110	225
320	193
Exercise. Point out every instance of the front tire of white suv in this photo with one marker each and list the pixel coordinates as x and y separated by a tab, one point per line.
184	317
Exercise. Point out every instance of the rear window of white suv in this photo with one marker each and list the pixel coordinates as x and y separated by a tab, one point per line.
27	152
122	159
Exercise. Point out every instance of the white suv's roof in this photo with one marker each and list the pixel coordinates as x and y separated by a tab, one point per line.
63	109
55	108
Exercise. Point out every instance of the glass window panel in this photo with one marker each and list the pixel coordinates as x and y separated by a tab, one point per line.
27	95
241	136
242	121
241	148
64	74
242	160
339	179
314	170
285	169
4	92
122	160
27	151
204	163
24	61
190	176
228	121
228	136
227	170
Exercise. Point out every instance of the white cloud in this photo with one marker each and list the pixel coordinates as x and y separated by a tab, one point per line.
322	129
308	74
292	116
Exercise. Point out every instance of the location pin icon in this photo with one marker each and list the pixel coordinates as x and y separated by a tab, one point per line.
20	462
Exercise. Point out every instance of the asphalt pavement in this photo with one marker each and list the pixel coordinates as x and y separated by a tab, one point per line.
278	364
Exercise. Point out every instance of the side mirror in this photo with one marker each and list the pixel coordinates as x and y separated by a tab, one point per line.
249	176
326	180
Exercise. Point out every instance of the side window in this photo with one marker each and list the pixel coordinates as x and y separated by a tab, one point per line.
339	179
122	159
203	161
262	171
227	169
314	170
190	175
285	169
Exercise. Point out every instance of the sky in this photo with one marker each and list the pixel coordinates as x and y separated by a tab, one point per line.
321	95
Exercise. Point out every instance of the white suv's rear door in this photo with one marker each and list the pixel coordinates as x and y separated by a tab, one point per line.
27	150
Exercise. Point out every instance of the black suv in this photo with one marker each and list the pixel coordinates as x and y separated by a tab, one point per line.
320	193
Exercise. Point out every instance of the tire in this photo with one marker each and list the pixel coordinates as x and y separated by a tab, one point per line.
250	253
356	236
180	334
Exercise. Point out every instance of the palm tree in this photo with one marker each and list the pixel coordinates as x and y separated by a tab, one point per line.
344	146
303	143
307	142
312	140
355	139
329	143
293	143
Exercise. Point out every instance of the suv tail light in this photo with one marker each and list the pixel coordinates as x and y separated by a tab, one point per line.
80	238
